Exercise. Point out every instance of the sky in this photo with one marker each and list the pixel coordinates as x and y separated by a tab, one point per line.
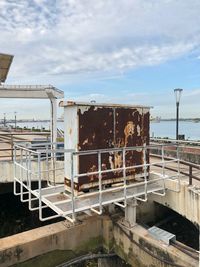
116	51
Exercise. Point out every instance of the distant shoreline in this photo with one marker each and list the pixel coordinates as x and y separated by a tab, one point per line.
62	120
181	119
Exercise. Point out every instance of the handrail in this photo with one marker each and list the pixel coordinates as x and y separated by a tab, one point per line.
118	194
176	141
11	138
183	162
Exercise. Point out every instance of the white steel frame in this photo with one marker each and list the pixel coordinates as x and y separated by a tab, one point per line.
67	204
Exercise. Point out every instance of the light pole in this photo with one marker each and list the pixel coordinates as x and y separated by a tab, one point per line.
15	120
177	93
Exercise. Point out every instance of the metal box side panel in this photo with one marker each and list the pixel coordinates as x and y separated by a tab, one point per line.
70	136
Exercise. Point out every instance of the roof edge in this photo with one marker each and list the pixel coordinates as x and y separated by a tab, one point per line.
76	103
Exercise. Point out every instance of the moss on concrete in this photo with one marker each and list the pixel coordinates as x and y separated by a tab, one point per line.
50	259
92	244
56	257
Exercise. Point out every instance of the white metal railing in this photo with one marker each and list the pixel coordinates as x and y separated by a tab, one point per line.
175	141
40	162
28	86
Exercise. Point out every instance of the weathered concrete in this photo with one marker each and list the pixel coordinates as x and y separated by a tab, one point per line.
7	171
138	248
130	212
59	242
186	202
62	236
132	244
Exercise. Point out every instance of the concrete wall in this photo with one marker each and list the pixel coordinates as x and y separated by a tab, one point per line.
62	236
138	248
7	171
53	244
186	202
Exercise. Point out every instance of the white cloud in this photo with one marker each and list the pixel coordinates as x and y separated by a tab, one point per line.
61	38
55	41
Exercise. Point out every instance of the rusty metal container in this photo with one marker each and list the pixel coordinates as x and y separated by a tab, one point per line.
92	126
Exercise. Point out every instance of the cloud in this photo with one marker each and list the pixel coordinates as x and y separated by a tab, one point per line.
58	39
68	43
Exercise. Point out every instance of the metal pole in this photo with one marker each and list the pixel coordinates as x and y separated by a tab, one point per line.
72	188
177	93
177	121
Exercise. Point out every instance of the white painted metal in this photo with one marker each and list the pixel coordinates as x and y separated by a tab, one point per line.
163	193
70	137
66	204
30	91
36	92
162	235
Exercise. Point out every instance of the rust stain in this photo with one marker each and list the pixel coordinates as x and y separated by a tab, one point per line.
107	127
128	131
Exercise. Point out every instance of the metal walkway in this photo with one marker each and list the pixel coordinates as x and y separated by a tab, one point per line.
33	163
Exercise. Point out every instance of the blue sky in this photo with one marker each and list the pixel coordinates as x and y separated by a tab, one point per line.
125	51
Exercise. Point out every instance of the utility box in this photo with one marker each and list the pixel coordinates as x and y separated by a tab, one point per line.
92	126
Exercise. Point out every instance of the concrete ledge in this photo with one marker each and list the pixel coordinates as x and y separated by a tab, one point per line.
136	247
186	202
59	236
7	171
61	241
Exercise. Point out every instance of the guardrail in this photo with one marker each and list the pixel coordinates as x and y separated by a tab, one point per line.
8	139
190	166
186	147
66	203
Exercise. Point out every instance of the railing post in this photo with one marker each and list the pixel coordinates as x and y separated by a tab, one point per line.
21	175
72	187
29	180
145	169
15	173
124	174
47	166
178	168
100	182
190	175
12	154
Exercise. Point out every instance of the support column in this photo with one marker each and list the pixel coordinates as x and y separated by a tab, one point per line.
53	120
130	212
111	208
53	102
